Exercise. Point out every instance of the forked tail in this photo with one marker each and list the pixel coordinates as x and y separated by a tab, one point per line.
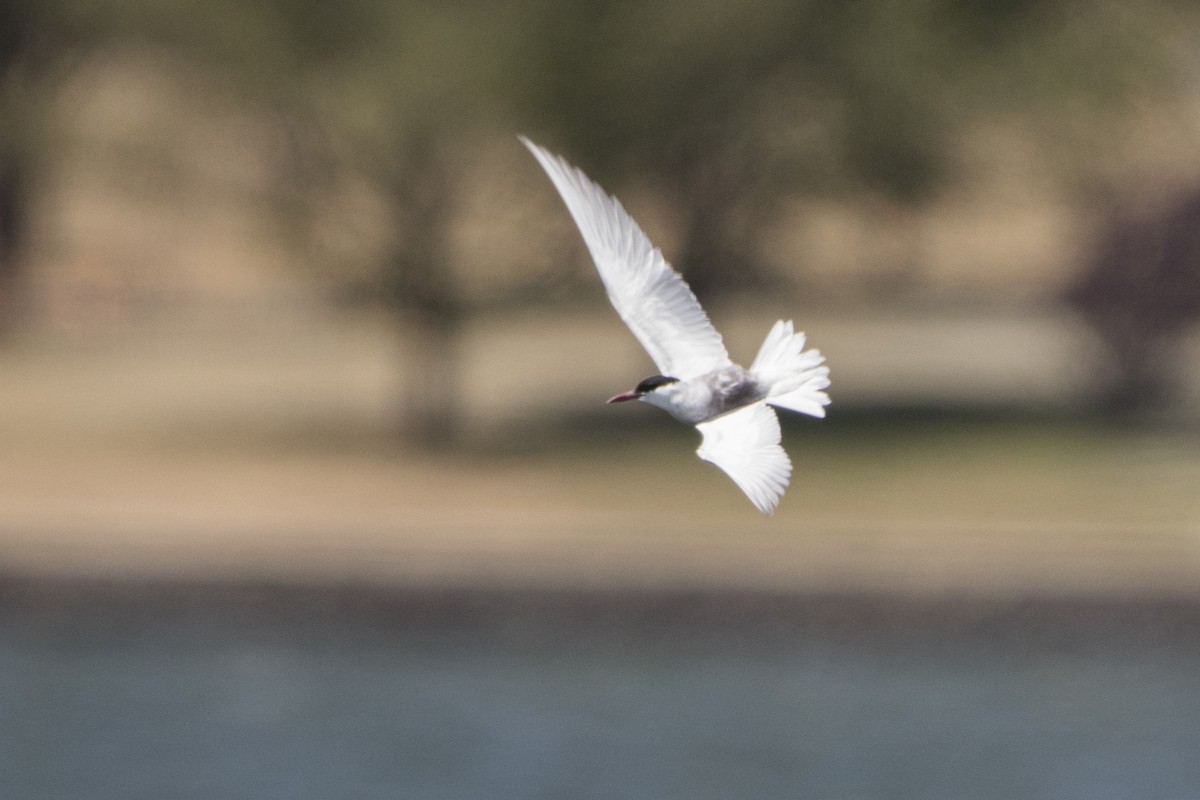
796	376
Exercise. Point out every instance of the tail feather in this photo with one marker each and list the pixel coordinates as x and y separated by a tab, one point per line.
796	376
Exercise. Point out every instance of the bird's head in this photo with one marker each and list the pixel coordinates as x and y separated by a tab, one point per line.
647	387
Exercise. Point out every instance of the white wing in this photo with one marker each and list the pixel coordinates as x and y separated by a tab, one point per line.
745	444
650	297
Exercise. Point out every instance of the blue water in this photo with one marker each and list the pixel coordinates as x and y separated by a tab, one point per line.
121	701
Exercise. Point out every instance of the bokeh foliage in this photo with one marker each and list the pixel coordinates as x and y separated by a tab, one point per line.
722	109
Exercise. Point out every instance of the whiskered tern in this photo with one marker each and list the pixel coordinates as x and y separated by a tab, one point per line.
698	384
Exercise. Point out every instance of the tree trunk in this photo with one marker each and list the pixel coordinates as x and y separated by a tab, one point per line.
12	235
431	410
1144	378
423	294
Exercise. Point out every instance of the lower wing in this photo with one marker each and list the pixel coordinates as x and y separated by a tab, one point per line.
745	445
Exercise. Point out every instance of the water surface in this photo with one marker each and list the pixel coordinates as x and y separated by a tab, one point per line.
306	695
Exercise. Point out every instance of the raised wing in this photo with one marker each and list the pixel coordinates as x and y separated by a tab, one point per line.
745	444
650	297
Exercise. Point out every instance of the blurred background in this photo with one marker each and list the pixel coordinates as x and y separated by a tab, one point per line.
307	487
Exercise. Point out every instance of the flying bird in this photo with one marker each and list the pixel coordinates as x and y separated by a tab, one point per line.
697	382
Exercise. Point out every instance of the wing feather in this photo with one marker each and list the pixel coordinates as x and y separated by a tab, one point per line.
651	297
745	444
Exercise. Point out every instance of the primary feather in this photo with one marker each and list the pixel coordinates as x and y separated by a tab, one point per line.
651	297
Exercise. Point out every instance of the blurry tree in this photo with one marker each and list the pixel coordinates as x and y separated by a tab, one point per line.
368	89
722	109
400	114
42	42
727	108
1139	291
33	52
13	32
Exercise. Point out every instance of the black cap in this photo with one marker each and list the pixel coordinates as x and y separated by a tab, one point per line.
653	382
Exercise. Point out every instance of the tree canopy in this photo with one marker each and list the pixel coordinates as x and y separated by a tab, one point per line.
721	109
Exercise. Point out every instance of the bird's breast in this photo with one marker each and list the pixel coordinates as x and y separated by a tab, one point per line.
716	393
